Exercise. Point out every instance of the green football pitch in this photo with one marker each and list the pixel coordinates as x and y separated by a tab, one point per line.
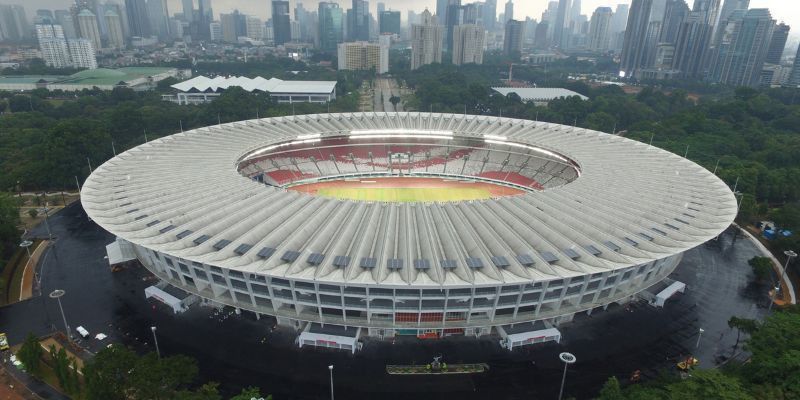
406	194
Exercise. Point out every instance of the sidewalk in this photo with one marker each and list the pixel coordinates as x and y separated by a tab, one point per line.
786	283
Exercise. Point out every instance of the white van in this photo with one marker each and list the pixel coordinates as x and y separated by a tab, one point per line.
83	332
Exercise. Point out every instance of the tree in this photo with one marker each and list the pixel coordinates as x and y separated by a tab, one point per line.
395	101
742	325
250	393
107	375
611	390
30	354
9	220
33	213
762	266
775	349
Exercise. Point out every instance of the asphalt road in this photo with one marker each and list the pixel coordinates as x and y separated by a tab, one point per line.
238	351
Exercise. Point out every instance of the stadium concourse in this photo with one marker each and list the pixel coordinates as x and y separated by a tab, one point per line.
348	225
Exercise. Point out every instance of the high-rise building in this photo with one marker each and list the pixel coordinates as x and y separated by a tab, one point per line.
188	10
514	37
13	22
508	14
490	14
138	19
468	43
560	23
389	22
234	25
541	40
64	18
53	45
359	25
215	31
87	25
254	27
363	56
158	16
455	16
472	13
634	52
794	76
116	38
330	26
725	12
742	48
777	44
427	39
441	11
675	14
43	16
281	28
600	29
620	19
692	47
82	54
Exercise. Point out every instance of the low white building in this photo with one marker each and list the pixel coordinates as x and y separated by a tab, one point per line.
202	89
539	96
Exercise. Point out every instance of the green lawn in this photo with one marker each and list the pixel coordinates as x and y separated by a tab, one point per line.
406	194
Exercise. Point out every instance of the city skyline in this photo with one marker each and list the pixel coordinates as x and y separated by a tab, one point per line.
782	11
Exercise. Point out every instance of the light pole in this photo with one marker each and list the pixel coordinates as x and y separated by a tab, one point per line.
27	244
789	256
47	224
56	294
155	340
567	359
774	296
699	335
330	369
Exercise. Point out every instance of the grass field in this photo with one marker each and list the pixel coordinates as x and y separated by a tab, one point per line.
406	194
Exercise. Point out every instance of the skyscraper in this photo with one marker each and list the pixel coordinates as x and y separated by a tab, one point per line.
330	25
158	16
441	11
777	44
513	39
427	39
743	47
468	43
282	29
363	56
53	45
82	53
560	23
233	25
359	30
620	19
389	22
13	22
634	52
794	76
600	29
509	11
675	14
490	14
116	38
138	20
454	17
87	25
725	12
188	10
692	53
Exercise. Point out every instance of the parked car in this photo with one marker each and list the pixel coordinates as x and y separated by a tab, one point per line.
3	341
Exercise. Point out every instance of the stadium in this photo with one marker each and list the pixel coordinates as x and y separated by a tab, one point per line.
385	224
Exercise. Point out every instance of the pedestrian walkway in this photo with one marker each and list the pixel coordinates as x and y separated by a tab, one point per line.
786	283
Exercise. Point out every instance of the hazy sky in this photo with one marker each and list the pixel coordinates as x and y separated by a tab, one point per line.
782	10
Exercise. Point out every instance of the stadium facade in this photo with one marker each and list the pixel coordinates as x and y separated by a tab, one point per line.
592	219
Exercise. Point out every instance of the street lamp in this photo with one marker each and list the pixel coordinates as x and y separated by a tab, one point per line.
789	256
699	335
47	224
155	340
330	369
56	294
27	244
774	296
567	359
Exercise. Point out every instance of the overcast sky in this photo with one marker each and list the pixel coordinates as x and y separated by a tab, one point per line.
782	10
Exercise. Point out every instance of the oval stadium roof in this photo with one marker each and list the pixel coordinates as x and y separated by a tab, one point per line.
182	195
